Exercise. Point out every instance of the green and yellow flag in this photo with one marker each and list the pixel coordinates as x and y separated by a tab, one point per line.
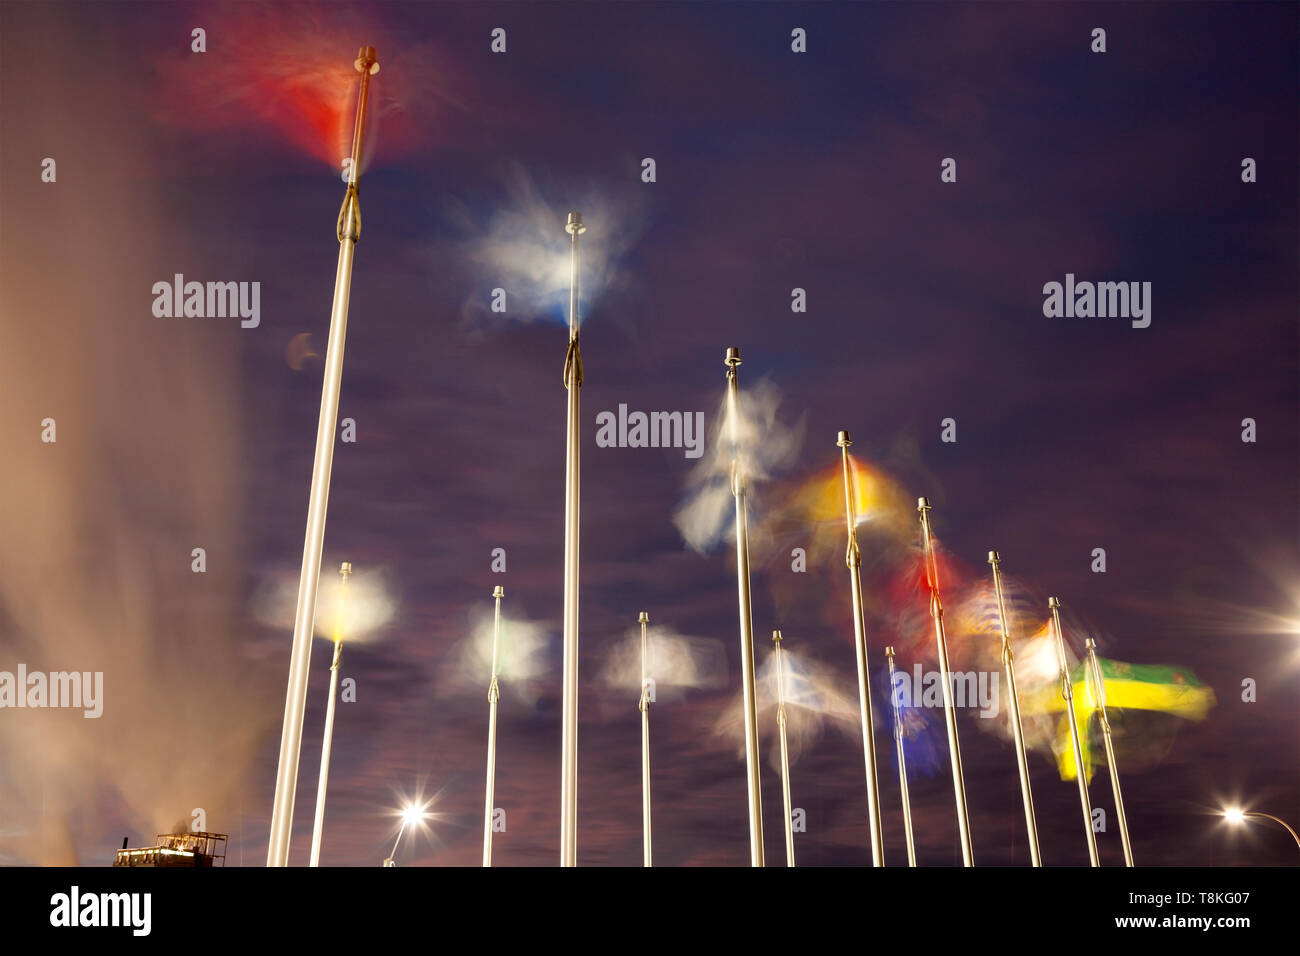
1139	687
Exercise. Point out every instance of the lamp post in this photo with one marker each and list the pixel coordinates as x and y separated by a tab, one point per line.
412	815
1237	816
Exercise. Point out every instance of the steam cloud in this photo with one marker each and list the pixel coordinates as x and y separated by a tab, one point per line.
675	662
522	248
813	700
523	658
356	613
766	446
95	567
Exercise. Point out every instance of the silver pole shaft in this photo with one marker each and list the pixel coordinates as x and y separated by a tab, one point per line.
295	701
491	776
853	558
1099	695
319	824
945	674
286	780
327	742
569	716
645	786
753	786
785	751
902	764
645	743
1067	692
868	730
1009	666
494	695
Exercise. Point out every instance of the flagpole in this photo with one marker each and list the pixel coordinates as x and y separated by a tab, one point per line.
902	762
1009	667
785	750
644	707
853	558
569	696
1100	699
494	695
327	742
738	490
1067	691
295	701
949	708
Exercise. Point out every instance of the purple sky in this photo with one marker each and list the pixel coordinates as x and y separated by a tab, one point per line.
775	170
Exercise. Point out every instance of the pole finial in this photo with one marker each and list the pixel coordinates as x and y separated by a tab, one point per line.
345	568
994	557
575	224
843	440
776	637
498	591
889	651
922	504
732	358
367	61
1053	602
1090	644
644	618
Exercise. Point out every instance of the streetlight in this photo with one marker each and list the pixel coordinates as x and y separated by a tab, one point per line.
412	815
1237	816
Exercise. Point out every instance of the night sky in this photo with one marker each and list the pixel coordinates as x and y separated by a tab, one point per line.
775	170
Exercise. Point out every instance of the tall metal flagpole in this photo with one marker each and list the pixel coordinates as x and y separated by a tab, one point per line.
853	558
1100	697
1067	691
949	709
327	742
493	696
902	763
644	707
738	490
785	750
569	716
295	701
1009	668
